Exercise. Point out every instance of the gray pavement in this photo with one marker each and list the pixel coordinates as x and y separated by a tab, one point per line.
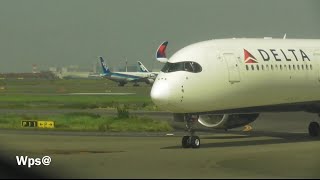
277	147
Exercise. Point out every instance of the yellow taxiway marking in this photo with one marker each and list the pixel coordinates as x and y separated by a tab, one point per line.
45	124
247	128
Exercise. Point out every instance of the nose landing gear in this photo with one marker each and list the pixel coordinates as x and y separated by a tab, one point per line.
190	140
314	129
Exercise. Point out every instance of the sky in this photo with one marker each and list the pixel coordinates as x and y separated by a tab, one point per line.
56	33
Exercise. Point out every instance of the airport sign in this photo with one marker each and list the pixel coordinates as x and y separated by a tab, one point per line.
39	124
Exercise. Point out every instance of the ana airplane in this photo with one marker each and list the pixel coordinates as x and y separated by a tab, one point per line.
125	77
227	83
142	68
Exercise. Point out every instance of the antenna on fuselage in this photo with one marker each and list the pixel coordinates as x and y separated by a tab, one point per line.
126	64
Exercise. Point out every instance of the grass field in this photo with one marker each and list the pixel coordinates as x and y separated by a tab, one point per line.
39	93
75	101
65	86
88	122
50	94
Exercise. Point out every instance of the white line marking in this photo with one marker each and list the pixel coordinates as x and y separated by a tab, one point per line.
101	93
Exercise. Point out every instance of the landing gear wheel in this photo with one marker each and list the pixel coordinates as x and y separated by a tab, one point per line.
314	129
186	142
191	140
195	142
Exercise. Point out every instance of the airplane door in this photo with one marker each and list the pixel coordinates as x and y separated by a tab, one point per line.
317	59
233	67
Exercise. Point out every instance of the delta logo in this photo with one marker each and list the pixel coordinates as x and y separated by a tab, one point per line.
249	58
277	55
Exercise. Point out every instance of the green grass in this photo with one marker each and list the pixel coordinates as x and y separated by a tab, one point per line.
74	101
48	94
63	86
89	122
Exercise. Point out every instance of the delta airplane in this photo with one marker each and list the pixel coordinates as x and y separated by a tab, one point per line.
227	83
125	77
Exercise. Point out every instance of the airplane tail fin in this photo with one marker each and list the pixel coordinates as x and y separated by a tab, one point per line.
161	52
105	68
142	68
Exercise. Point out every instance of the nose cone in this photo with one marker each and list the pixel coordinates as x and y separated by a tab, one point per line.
160	93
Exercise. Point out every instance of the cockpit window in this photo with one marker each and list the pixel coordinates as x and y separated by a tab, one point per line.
188	66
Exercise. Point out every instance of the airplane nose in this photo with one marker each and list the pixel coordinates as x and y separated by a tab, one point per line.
160	93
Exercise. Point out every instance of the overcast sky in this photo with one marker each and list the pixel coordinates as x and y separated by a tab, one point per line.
74	32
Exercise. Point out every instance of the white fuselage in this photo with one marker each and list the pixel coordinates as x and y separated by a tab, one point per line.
241	73
130	76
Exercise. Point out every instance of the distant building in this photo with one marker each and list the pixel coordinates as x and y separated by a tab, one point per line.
130	69
32	75
53	69
73	71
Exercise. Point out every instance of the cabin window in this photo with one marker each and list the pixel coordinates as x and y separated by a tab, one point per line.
276	67
293	67
302	67
188	66
258	67
310	67
172	67
247	67
307	68
289	67
272	67
280	67
267	67
262	68
285	67
252	67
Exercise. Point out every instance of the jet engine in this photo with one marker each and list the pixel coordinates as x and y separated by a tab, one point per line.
150	81
226	121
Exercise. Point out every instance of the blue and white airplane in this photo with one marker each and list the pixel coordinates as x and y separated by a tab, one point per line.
124	77
142	68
